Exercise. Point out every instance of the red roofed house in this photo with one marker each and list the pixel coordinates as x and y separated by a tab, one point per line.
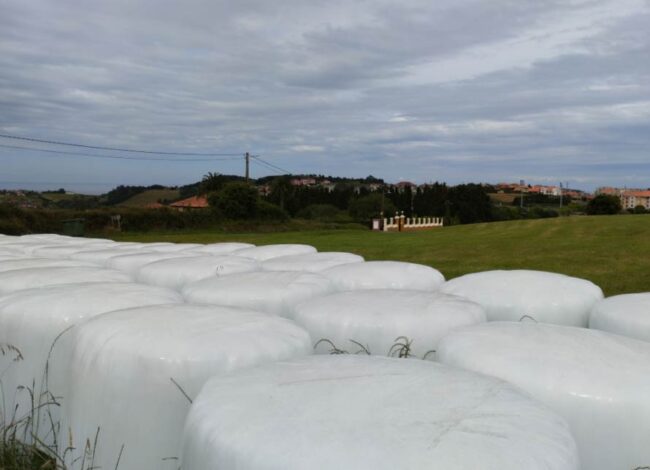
631	199
194	202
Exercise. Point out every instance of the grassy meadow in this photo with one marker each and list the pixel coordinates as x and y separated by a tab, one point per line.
612	251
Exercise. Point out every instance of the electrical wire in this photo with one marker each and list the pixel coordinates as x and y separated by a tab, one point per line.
117	149
271	165
120	157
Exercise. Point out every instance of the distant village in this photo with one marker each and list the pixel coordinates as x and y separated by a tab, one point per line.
630	197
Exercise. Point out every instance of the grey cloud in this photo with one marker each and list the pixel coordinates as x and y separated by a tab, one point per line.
285	78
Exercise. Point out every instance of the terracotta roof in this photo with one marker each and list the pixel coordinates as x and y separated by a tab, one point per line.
194	202
645	193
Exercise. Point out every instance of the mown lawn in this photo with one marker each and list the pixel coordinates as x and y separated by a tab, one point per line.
612	251
151	196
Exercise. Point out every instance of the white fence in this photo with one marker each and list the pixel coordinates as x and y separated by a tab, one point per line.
400	223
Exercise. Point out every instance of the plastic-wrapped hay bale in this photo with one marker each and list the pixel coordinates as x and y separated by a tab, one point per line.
8	252
132	262
273	292
31	320
25	248
25	263
627	315
518	294
131	373
100	257
19	279
311	262
164	247
262	253
598	381
177	272
384	275
385	321
370	413
224	248
65	251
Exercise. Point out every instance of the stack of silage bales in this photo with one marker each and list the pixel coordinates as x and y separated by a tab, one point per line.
126	335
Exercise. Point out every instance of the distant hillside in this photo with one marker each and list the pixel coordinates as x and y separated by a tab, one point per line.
151	196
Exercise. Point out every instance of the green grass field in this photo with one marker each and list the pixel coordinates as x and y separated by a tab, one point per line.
151	196
612	251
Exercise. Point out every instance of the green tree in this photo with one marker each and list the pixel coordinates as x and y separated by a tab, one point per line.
235	200
469	203
368	207
604	204
282	192
211	182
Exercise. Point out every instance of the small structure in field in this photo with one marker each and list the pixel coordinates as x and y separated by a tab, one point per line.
401	223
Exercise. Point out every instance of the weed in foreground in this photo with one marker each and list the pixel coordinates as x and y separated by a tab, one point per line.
402	348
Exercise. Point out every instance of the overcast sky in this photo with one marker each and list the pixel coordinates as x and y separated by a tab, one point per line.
420	90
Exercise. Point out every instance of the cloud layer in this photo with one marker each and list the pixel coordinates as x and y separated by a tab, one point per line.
457	91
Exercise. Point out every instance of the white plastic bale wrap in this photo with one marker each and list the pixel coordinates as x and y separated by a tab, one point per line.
598	381
376	319
384	275
262	253
132	262
101	257
25	248
19	279
177	272
123	365
311	262
273	292
65	251
224	248
31	320
9	252
370	413
25	263
172	247
543	296
627	314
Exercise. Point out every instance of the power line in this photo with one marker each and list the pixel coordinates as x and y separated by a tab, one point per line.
266	167
120	157
117	149
271	165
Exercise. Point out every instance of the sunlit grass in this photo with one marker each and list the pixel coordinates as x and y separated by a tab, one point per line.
612	251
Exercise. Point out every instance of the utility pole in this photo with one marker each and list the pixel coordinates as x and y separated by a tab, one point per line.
247	157
561	193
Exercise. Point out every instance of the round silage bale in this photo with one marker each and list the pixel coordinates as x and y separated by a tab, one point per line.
175	273
273	292
262	253
19	279
310	262
384	275
66	251
370	413
24	262
132	374
165	247
101	256
627	315
32	319
224	248
524	294
132	262
385	321
599	382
